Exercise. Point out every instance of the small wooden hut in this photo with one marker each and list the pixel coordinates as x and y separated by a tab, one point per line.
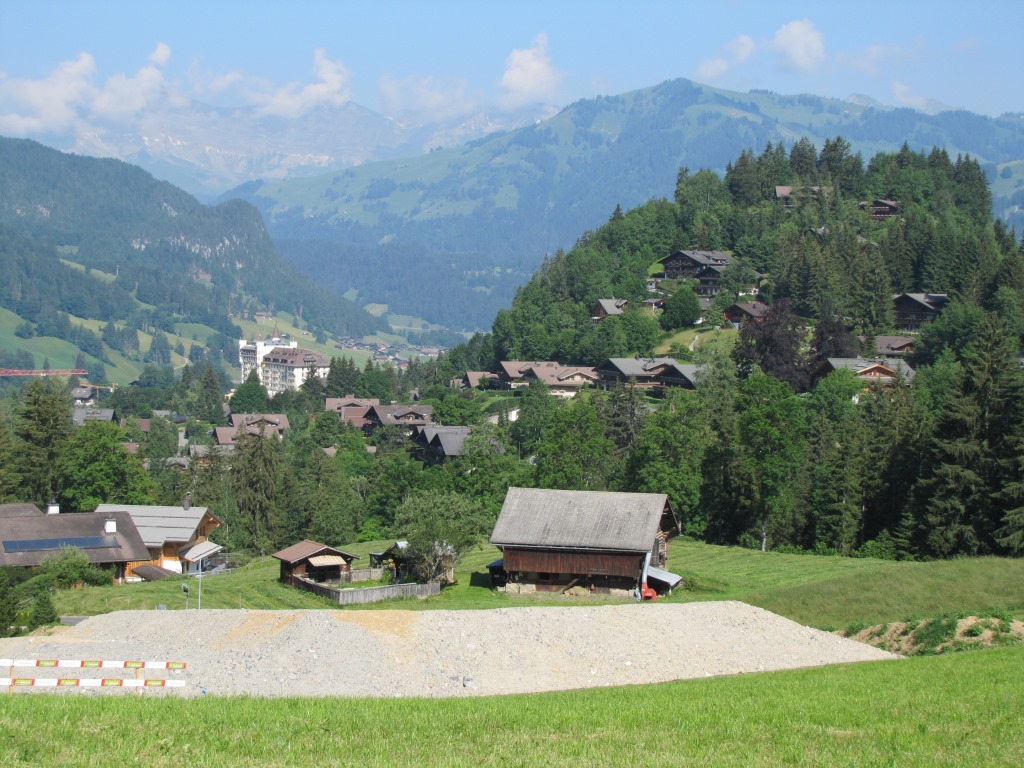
314	561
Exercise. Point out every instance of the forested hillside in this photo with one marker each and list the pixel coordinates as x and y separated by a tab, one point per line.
764	452
769	450
100	240
479	219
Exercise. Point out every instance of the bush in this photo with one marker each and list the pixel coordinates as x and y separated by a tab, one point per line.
43	614
70	566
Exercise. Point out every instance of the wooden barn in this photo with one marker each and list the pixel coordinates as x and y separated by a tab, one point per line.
553	540
314	561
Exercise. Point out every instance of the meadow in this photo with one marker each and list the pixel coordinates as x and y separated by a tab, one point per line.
936	710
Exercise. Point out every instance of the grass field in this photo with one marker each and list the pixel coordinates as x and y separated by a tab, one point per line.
964	709
950	710
824	592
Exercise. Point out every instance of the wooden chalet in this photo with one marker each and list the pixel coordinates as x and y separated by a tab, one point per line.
788	195
880	209
884	371
647	372
686	264
435	443
709	280
890	346
176	538
313	561
107	538
475	380
553	540
912	310
563	381
401	415
746	312
606	308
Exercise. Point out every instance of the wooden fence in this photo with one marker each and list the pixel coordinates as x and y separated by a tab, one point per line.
366	574
358	596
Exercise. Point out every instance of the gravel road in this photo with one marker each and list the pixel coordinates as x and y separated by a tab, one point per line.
438	653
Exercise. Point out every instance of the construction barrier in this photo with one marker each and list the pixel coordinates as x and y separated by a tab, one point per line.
138	666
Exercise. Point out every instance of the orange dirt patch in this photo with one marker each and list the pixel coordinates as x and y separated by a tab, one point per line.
396	623
256	627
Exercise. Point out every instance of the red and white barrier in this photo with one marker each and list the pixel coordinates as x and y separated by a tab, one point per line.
74	682
92	664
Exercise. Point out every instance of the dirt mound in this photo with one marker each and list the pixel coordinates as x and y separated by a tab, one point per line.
447	653
941	634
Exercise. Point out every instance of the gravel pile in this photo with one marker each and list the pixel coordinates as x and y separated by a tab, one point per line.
440	653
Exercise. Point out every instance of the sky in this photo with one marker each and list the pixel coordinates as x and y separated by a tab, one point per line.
65	64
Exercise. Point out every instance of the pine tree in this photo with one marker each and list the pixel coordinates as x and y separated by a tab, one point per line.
43	614
255	477
42	428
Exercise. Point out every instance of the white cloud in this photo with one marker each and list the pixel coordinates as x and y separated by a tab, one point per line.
48	105
734	53
799	45
967	44
425	95
123	97
161	54
293	99
529	75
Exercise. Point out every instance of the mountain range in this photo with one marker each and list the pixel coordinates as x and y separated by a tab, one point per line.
400	213
449	235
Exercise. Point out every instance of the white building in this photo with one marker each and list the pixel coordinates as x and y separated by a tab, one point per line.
279	366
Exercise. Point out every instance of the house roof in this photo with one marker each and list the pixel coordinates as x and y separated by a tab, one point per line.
309	548
593	520
159	525
25	540
882	370
151	572
933	301
703	258
19	510
750	308
199	550
892	345
612	306
277	420
337	403
564	376
640	367
82	415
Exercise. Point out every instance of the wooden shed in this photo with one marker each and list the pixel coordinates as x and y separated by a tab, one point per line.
552	540
314	561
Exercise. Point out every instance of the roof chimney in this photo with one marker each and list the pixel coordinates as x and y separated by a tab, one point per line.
110	526
187	503
53	508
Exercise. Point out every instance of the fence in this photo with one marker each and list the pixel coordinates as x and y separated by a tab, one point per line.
366	574
368	594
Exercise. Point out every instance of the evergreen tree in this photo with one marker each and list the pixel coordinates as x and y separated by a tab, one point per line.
43	614
42	428
255	477
573	451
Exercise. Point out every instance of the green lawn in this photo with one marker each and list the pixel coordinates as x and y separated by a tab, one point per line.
825	592
958	710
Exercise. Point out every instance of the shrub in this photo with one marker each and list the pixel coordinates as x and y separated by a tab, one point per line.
43	613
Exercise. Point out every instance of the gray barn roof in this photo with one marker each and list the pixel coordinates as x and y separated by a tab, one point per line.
158	525
600	520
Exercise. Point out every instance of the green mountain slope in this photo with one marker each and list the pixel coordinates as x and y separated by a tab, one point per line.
479	219
86	242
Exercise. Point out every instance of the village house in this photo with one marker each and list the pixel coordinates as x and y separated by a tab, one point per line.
176	538
890	346
606	308
107	538
912	310
313	561
788	195
709	280
435	443
880	209
609	543
745	312
402	415
686	264
648	372
474	380
81	415
885	371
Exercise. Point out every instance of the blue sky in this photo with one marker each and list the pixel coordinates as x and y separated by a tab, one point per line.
63	64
